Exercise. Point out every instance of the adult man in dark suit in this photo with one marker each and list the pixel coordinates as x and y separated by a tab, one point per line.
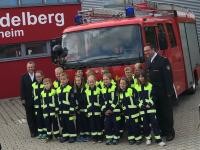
27	97
160	75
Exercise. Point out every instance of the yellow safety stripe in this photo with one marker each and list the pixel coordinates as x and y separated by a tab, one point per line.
157	137
151	111
131	137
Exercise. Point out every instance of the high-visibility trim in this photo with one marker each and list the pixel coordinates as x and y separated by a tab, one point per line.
45	115
116	137
40	130
132	106
72	135
84	133
48	133
36	106
131	137
56	132
71	109
113	105
35	97
72	118
138	138
83	110
52	114
93	133
65	135
99	133
65	112
148	137
136	120
151	111
142	113
36	113
116	110
52	105
118	118
96	113
96	104
135	115
66	102
157	137
103	107
109	136
88	106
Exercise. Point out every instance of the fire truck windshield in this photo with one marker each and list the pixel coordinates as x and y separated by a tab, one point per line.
110	45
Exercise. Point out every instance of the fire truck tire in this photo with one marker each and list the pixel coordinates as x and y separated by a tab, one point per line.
193	88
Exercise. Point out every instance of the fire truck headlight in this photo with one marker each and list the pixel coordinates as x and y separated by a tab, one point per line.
78	19
130	12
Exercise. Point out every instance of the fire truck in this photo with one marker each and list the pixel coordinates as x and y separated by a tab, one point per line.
114	39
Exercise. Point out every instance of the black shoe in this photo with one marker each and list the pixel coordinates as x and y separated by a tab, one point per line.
131	142
62	139
108	142
138	142
71	140
115	142
170	137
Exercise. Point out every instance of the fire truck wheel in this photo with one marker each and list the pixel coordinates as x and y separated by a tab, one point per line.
193	89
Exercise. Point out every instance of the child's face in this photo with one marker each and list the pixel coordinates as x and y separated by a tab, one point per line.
141	79
57	73
79	73
63	80
47	85
106	80
122	84
38	77
128	73
78	81
91	81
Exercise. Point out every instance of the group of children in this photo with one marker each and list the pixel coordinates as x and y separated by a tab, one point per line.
94	109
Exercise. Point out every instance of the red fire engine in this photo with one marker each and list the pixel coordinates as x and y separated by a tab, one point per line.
26	34
117	40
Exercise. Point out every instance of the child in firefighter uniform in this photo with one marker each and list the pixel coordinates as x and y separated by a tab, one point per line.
67	106
82	122
110	108
50	109
147	109
94	98
37	89
131	113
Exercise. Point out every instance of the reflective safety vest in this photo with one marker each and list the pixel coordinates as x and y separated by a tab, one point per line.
65	100
134	82
37	89
49	102
109	98
56	84
129	106
144	98
93	101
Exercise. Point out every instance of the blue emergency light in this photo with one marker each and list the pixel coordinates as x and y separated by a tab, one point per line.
78	19
130	12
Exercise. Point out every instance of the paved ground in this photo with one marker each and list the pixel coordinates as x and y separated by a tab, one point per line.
15	135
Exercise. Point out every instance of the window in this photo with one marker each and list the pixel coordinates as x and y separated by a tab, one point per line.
170	31
162	37
50	1
8	3
36	48
31	2
150	33
10	51
69	1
